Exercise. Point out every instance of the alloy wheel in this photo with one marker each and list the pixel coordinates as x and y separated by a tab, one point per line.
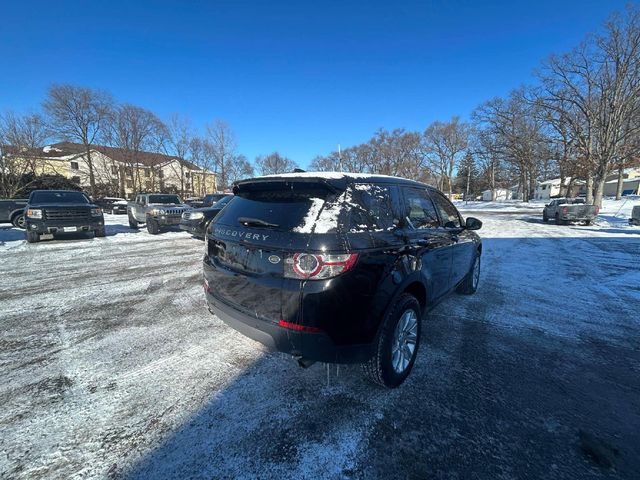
404	341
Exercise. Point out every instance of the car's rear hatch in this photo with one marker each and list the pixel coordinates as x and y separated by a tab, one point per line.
252	237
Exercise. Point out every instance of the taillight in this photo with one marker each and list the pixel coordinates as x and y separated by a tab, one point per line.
565	210
314	266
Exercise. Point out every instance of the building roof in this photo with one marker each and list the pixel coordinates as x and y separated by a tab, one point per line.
66	150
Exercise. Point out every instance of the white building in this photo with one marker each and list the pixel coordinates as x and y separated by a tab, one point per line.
630	186
549	188
501	194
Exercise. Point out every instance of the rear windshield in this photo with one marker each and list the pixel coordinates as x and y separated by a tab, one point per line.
305	209
59	197
164	199
284	209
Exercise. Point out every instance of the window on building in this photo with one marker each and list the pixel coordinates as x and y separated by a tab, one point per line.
187	174
129	184
160	174
74	165
147	173
114	170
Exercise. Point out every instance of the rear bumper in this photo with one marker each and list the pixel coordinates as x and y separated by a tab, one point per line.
572	218
311	346
57	226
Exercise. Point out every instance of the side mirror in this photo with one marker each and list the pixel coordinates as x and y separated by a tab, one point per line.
473	224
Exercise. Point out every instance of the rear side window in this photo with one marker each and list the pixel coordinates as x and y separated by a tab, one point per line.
368	208
420	210
448	213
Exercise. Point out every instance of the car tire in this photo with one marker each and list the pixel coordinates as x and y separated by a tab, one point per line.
558	221
587	222
389	366
470	283
32	237
152	227
545	218
133	223
18	221
101	232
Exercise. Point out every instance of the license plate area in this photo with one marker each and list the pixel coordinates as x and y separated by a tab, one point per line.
69	229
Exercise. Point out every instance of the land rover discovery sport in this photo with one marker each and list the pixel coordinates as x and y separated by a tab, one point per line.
338	268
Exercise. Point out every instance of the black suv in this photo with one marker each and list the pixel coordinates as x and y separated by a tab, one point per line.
197	221
337	267
51	212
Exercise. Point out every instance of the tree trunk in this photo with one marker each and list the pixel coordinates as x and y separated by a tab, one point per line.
532	186
589	188
92	178
620	186
563	189
597	200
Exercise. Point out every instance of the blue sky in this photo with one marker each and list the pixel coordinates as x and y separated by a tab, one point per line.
298	77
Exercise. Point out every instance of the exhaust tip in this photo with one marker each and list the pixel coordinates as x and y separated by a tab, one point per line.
305	362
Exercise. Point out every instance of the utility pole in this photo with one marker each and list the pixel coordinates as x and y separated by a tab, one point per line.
466	195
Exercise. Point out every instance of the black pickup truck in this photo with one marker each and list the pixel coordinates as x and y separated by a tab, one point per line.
12	211
52	212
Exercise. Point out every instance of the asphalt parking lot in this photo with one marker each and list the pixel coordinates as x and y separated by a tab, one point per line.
113	367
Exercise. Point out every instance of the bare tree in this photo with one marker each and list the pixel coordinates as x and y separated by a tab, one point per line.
238	168
21	138
222	144
274	163
178	143
135	131
597	88
79	114
445	144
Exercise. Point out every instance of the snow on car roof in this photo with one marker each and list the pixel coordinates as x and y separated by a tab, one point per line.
332	175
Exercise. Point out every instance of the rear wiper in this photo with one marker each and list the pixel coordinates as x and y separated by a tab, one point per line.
256	222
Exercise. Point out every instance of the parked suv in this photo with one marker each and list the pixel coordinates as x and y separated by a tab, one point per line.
158	211
197	221
338	268
52	212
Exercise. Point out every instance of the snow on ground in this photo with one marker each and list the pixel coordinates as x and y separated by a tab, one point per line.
113	367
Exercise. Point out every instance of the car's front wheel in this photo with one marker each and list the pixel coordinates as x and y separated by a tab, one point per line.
153	227
101	232
545	217
397	345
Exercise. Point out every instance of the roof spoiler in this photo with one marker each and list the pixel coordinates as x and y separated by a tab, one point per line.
335	185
